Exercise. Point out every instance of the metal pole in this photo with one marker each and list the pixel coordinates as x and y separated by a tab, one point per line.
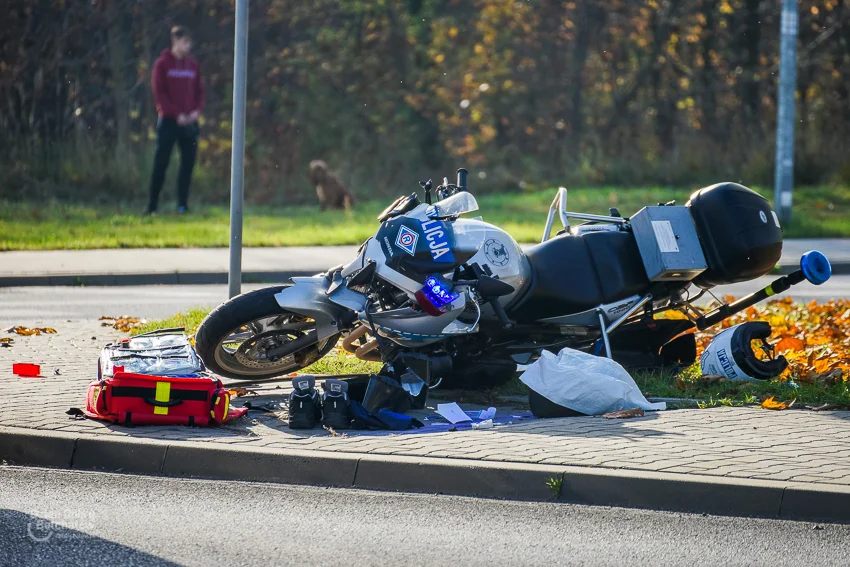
785	120
237	154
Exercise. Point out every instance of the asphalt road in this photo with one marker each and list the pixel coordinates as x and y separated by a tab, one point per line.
31	305
52	517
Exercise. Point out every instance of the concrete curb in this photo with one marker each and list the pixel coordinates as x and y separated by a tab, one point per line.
176	278
205	278
517	481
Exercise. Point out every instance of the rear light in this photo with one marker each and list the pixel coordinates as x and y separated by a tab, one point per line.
436	296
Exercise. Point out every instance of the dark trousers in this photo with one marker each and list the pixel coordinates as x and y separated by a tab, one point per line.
167	133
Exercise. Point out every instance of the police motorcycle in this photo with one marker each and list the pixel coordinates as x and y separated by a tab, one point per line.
442	298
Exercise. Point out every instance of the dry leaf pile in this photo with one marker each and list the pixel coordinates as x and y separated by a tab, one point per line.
123	323
26	331
815	337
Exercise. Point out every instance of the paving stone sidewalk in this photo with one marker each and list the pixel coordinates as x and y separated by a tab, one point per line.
798	446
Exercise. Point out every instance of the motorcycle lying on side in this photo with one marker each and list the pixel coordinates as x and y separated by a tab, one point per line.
438	298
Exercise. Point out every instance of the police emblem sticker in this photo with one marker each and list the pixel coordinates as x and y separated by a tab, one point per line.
406	240
496	253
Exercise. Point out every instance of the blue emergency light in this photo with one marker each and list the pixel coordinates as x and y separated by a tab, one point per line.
435	296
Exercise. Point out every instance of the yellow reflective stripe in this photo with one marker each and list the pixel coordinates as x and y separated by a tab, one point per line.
225	400
769	291
163	392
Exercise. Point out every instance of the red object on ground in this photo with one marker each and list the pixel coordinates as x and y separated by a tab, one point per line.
26	369
143	399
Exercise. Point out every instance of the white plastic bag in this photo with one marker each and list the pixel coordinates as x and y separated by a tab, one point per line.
585	383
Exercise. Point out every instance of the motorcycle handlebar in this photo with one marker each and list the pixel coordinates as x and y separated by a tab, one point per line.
461	179
814	267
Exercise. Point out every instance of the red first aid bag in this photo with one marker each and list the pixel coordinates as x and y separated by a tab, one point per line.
157	378
140	399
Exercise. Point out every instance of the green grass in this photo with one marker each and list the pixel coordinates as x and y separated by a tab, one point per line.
663	385
340	362
818	212
658	383
189	320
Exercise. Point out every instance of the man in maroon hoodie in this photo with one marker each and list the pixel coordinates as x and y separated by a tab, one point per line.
180	97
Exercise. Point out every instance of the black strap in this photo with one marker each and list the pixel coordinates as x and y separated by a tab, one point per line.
159	404
76	413
150	393
191	420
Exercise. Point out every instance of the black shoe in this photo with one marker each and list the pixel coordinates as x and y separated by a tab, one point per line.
336	407
305	405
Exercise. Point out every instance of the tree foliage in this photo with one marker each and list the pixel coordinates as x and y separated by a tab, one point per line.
388	91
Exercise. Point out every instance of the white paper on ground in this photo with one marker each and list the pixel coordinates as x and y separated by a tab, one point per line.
585	383
488	413
452	412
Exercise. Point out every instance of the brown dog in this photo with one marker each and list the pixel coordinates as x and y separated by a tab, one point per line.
331	192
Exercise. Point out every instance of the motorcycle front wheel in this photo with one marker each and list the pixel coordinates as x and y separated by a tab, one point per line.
239	337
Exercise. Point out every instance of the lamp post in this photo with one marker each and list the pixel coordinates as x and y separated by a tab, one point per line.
784	176
237	156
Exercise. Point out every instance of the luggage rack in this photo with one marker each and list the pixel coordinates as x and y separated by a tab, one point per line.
559	205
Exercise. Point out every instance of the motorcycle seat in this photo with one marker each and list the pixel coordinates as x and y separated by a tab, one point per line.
574	273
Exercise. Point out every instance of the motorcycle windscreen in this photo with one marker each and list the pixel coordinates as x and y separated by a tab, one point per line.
457	204
418	248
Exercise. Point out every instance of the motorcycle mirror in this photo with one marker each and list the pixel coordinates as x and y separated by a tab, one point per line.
461	179
426	185
491	287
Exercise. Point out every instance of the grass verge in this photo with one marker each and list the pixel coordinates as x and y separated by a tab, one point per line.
818	212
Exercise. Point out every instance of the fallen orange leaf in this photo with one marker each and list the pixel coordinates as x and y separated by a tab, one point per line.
790	343
771	403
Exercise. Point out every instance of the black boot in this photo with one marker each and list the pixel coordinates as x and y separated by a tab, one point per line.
305	405
336	407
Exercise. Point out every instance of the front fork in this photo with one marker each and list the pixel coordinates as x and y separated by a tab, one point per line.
333	311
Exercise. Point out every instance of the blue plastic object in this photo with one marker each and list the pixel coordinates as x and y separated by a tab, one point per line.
816	267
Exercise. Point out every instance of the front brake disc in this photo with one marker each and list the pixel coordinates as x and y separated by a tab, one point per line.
252	352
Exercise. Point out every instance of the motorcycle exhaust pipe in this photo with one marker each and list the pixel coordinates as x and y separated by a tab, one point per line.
363	352
814	267
369	352
348	342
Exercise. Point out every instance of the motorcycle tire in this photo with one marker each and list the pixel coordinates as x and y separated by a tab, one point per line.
215	344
